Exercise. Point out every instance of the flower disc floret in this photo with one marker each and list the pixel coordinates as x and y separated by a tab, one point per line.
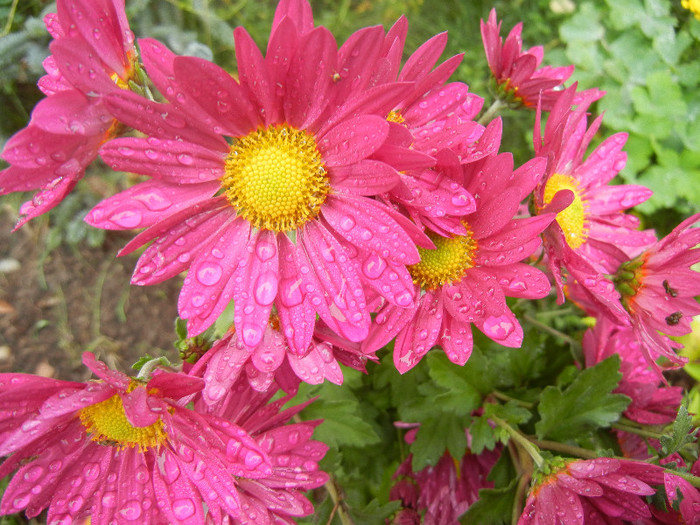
107	424
572	220
447	263
275	178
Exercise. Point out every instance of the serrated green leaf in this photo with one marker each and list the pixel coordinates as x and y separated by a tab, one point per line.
511	412
374	512
586	404
493	506
482	434
682	434
435	436
342	425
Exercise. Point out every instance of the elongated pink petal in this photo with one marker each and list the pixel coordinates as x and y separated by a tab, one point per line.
223	370
181	502
504	329
297	315
417	338
367	177
391	281
218	94
316	366
297	11
456	340
136	408
424	59
493	215
254	76
334	286
71	113
146	203
255	288
356	60
521	280
365	224
310	78
81	67
353	140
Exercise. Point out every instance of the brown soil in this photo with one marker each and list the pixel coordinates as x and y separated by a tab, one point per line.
55	306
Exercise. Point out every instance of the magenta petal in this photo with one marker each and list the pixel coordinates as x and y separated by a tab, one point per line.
317	365
334	286
495	213
136	408
502	258
310	77
521	280
280	52
218	94
71	113
114	378
180	499
164	121
24	179
404	159
356	60
389	321
46	199
419	336
268	356
81	67
253	75
297	315
174	385
391	281
504	329
353	140
223	370
378	100
158	61
612	199
425	57
255	288
173	161
366	224
296	11
208	287
34	147
456	340
172	254
367	177
145	204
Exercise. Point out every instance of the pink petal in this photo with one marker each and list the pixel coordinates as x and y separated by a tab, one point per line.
254	76
378	100
521	280
137	409
218	94
223	370
391	281
404	159
334	287
281	48
81	67
181	502
504	329
356	60
612	199
389	321
422	61
114	378
296	11
208	287
255	288
46	199
316	366
420	336
169	160
146	203
268	356
71	113
505	257
297	315
174	385
456	340
309	78
158	61
353	140
494	214
34	147
366	224
367	177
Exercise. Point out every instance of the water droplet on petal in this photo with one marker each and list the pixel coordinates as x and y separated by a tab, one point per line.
209	273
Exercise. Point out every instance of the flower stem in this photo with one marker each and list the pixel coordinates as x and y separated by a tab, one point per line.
332	490
553	331
520	440
636	430
566	449
505	397
491	112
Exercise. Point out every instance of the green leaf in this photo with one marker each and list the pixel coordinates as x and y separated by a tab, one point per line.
493	507
437	434
682	434
511	412
374	512
586	404
483	435
342	425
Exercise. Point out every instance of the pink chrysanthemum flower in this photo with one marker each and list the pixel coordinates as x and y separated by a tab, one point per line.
277	497
592	491
591	228
271	218
683	502
465	279
658	290
516	74
273	360
652	402
122	450
441	493
92	54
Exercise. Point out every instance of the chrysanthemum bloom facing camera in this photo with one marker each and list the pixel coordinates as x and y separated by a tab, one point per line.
658	289
277	497
122	450
465	279
268	218
518	77
92	54
591	229
591	491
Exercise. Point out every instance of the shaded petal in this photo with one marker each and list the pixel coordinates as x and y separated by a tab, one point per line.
353	140
391	281
223	369
366	177
253	75
504	329
316	366
521	280
181	501
456	340
419	337
81	67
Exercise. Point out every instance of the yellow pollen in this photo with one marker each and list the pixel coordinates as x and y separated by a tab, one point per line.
447	263
275	178
395	116
108	424
572	220
693	6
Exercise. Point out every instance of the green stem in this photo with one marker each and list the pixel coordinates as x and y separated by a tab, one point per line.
149	366
491	112
636	430
10	18
520	440
566	449
505	397
553	331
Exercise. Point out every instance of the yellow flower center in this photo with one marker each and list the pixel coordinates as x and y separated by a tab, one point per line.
447	263
693	6
108	424
572	220
275	178
395	116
